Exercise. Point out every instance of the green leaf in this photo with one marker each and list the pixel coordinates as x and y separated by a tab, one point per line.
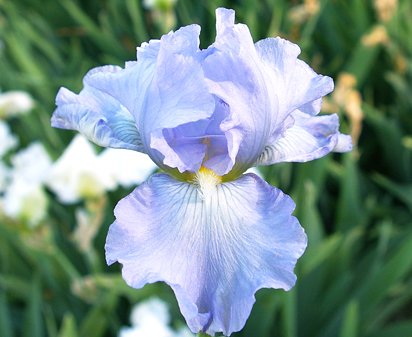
97	319
261	320
33	322
317	255
5	318
289	326
402	192
361	62
400	329
386	277
105	40
69	328
350	212
350	324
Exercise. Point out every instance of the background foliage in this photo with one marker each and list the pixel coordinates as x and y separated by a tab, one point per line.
355	278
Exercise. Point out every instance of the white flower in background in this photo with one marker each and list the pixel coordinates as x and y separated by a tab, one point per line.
14	103
4	173
149	312
32	164
127	167
7	139
77	173
80	173
151	319
149	4
158	4
256	171
184	332
25	202
24	198
162	13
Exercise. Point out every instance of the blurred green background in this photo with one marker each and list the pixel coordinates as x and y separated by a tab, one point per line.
355	278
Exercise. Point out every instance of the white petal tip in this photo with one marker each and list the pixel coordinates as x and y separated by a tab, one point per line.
344	144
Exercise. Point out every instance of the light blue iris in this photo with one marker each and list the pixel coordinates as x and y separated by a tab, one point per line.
214	234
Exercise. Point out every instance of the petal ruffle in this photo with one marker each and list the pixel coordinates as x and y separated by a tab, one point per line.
165	92
190	145
126	85
262	84
231	67
177	99
309	138
214	250
294	84
97	115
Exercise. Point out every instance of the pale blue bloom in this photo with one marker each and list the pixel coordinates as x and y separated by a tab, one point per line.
214	234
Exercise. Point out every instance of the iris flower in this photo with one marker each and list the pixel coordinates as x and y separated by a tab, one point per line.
212	233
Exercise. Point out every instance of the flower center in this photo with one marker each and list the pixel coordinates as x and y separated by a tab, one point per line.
206	180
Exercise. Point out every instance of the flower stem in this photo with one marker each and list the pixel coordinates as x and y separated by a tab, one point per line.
202	334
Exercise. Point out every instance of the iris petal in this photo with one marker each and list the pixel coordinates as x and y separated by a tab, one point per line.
293	83
166	93
215	250
298	134
310	137
128	86
231	66
97	115
137	106
182	146
262	83
177	97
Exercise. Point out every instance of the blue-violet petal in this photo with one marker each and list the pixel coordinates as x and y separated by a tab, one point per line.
97	115
309	138
214	247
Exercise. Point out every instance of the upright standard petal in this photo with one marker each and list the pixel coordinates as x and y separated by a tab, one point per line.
214	244
178	103
231	67
290	81
166	96
298	134
263	84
